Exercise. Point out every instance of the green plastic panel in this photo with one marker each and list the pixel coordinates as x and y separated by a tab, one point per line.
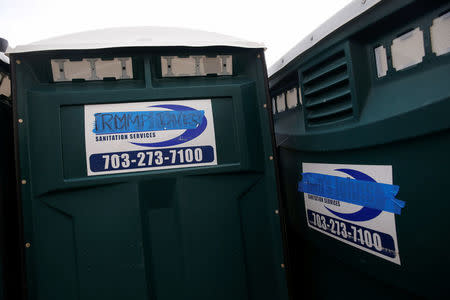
189	233
420	168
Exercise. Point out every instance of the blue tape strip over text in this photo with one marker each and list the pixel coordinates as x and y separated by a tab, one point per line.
135	121
365	193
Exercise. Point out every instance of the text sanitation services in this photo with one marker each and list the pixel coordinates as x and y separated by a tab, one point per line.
116	137
324	200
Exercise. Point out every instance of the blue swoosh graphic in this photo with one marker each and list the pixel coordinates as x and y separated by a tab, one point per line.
186	136
365	213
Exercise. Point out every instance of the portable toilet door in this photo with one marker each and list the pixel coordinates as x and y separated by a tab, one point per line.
363	135
146	167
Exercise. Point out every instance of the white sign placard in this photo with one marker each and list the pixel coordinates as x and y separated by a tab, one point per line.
143	136
365	228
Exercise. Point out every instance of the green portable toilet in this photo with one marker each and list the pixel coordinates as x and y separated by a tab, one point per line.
360	110
10	276
6	156
146	167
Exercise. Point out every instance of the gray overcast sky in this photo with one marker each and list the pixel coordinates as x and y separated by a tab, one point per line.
279	24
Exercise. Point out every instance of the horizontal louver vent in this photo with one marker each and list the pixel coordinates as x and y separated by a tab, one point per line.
326	91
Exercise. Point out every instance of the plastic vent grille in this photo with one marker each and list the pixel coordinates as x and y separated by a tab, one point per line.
326	91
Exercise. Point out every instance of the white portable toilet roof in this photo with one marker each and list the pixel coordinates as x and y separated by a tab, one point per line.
345	15
135	37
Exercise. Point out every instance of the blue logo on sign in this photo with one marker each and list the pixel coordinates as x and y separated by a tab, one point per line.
188	135
365	213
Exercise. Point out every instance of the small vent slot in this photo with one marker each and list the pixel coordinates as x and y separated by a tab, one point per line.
327	95
326	85
328	120
329	110
340	63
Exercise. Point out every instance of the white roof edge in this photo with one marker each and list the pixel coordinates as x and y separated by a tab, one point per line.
349	12
135	37
4	58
